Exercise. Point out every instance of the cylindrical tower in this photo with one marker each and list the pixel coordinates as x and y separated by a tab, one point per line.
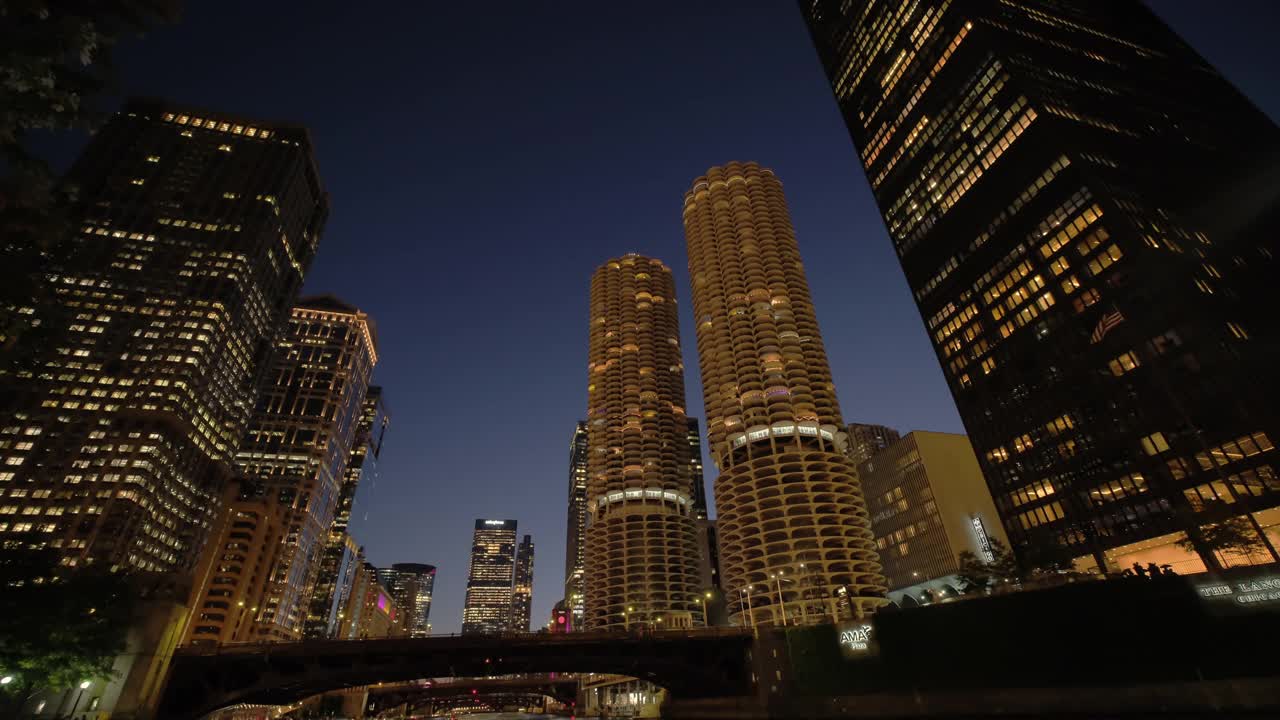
795	538
641	547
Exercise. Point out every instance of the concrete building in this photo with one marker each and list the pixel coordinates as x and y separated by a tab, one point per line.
787	495
641	548
929	503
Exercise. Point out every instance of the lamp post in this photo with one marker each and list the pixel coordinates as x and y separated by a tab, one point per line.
76	705
706	621
781	603
750	614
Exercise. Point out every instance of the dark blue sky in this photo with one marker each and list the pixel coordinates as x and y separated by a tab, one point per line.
484	158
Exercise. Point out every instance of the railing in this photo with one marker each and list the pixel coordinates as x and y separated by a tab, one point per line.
243	648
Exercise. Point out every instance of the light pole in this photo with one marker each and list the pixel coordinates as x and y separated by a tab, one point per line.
76	705
750	614
706	622
781	603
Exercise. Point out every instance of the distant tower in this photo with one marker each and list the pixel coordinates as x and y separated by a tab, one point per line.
867	440
522	594
575	550
489	581
694	439
790	514
410	586
642	553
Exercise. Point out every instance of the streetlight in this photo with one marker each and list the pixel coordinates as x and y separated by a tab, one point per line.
6	679
83	686
750	614
781	603
705	621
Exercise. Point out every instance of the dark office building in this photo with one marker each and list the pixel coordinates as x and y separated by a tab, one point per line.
410	586
575	551
522	588
333	583
695	464
1088	216
126	397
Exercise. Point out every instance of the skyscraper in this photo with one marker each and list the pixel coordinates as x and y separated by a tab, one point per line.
642	552
522	592
291	465
490	580
1086	213
575	549
793	526
410	586
193	231
867	440
694	439
334	575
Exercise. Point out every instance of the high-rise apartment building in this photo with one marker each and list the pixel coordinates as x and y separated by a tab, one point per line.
491	578
410	586
192	233
332	585
1087	214
793	526
928	503
522	588
291	464
867	440
642	552
575	548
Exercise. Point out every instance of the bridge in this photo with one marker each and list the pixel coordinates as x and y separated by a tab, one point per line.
694	663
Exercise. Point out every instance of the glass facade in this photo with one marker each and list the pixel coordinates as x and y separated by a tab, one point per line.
191	237
290	469
491	578
575	553
1086	214
522	590
867	440
410	586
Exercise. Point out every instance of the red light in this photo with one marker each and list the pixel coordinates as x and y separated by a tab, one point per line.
475	691
560	619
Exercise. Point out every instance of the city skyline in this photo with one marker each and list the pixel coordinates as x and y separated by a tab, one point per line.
406	469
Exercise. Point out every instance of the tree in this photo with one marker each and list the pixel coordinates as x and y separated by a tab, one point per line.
58	627
1231	535
980	574
55	57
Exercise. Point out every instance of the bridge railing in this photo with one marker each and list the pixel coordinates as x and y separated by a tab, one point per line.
452	638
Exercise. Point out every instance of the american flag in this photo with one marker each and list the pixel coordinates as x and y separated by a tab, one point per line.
1106	323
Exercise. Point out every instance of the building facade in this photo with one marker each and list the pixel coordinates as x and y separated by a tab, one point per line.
867	440
522	588
410	586
794	530
334	574
1086	214
491	578
291	463
641	547
126	401
695	471
929	503
575	549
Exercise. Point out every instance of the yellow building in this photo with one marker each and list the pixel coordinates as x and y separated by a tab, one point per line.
929	503
794	530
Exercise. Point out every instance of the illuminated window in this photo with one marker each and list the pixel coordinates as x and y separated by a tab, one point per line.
1123	364
1154	444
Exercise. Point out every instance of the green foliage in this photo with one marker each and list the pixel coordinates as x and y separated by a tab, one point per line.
1234	535
980	575
59	627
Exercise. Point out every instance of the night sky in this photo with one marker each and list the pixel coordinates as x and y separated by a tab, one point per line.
484	158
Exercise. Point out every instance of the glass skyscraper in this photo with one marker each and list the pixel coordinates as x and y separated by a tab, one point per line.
575	539
522	588
1086	212
491	578
410	586
191	236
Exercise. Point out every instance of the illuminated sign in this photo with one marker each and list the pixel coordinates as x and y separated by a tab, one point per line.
1255	591
495	522
857	639
384	603
984	543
